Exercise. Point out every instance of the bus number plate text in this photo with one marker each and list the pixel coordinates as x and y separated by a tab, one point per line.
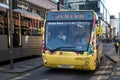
65	66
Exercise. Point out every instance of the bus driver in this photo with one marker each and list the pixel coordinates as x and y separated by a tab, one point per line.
62	36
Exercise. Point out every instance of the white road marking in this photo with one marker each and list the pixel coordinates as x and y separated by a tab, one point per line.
100	77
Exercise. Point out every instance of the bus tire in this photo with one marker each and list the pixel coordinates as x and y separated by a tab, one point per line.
97	63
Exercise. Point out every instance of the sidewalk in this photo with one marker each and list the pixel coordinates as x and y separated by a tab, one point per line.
6	73
24	66
115	57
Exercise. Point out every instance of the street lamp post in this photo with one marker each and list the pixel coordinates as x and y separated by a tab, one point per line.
11	33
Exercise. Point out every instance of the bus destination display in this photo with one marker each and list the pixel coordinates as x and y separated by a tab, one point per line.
69	15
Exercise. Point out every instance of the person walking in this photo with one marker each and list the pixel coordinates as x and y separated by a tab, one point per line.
117	42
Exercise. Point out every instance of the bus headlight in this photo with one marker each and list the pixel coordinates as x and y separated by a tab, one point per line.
45	61
88	58
87	61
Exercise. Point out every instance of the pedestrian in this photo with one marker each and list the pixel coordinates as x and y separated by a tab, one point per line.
116	44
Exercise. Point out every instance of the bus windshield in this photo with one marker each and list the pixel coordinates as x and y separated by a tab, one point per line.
68	35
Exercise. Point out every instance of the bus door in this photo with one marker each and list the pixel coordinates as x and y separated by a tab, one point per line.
17	30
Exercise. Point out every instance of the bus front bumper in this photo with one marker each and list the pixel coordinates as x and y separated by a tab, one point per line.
69	62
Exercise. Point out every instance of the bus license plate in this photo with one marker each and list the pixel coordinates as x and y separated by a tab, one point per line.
65	66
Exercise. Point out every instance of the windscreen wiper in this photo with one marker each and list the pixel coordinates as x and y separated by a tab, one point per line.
52	50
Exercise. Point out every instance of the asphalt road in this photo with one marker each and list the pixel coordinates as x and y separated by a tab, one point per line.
42	73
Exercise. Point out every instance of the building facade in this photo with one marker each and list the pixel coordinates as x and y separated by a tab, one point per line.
35	6
97	5
114	26
119	23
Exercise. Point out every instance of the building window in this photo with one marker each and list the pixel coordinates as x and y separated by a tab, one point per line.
33	11
3	1
38	12
30	9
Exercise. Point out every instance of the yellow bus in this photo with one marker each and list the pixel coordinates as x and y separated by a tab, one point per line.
70	40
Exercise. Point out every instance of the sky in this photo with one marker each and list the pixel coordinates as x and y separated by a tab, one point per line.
113	7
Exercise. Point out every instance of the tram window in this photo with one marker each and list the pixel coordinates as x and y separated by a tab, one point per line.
2	30
6	29
3	23
41	23
25	26
6	25
16	39
34	27
31	26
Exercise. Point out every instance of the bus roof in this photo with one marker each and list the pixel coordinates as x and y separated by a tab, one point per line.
70	15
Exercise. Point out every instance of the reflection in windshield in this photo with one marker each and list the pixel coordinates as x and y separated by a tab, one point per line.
67	35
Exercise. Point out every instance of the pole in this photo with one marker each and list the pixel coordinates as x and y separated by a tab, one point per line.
58	5
11	33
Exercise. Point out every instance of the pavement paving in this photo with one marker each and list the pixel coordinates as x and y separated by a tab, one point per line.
20	67
24	66
115	57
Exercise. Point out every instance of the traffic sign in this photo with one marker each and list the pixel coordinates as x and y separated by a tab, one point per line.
99	30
